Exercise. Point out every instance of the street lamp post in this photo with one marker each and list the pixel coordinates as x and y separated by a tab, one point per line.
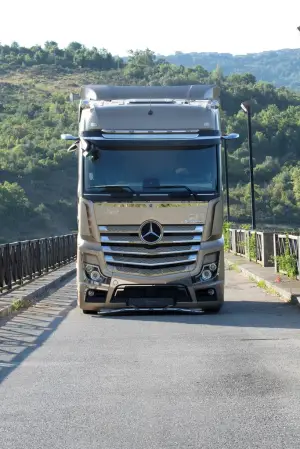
247	109
226	179
225	138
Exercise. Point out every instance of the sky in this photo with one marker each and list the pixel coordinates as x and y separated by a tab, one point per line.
231	26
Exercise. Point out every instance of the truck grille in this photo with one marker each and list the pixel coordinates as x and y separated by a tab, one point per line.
125	252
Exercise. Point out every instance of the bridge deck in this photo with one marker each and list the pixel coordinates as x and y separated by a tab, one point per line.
155	381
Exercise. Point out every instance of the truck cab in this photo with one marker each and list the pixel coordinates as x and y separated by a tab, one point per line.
150	207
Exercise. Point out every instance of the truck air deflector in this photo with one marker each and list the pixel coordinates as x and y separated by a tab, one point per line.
190	92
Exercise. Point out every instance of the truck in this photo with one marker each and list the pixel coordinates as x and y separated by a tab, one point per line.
150	206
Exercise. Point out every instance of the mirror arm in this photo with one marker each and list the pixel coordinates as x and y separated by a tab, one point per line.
73	147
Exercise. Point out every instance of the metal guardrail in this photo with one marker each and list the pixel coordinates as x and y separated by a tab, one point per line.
23	261
278	250
249	244
287	247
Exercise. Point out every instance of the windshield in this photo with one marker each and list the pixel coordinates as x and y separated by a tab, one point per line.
149	170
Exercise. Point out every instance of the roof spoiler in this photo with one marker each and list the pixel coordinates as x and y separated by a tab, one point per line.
192	92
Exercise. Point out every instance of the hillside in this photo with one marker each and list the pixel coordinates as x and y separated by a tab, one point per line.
281	67
38	178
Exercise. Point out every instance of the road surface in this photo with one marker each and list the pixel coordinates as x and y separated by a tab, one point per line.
74	381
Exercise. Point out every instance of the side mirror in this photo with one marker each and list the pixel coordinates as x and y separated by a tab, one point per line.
231	136
68	137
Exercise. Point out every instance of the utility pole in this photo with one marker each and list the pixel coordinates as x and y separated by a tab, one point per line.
247	109
231	136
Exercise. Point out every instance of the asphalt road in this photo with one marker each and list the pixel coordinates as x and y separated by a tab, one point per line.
159	381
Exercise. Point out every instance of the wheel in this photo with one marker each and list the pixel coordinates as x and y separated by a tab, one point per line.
89	312
213	309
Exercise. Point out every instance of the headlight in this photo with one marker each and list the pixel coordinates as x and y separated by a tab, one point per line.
209	268
206	274
93	273
89	268
213	267
209	271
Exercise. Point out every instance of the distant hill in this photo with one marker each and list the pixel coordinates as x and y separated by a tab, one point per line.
38	178
281	67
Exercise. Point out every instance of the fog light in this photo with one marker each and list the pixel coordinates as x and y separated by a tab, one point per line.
212	267
210	292
90	292
206	275
95	275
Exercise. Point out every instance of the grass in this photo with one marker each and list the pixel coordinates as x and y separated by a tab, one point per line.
19	304
262	284
235	267
259	283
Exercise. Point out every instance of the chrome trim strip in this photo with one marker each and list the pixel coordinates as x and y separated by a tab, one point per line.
154	263
150	272
127	229
123	229
110	250
192	239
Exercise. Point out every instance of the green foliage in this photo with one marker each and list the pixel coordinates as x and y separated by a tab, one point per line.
38	179
249	243
287	262
226	235
75	55
19	304
252	248
279	67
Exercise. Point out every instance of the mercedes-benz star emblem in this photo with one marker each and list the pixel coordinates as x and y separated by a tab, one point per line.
151	232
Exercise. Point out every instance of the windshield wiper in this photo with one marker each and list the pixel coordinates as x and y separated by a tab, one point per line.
175	186
114	188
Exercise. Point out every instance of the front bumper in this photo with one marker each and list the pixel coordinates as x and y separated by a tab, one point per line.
124	294
177	290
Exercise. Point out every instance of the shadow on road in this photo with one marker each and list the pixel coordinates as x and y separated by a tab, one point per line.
245	305
264	314
28	330
21	334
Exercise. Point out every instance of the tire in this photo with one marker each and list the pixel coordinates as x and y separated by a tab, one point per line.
89	312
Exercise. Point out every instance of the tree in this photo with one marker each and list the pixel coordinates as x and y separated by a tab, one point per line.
141	58
38	188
